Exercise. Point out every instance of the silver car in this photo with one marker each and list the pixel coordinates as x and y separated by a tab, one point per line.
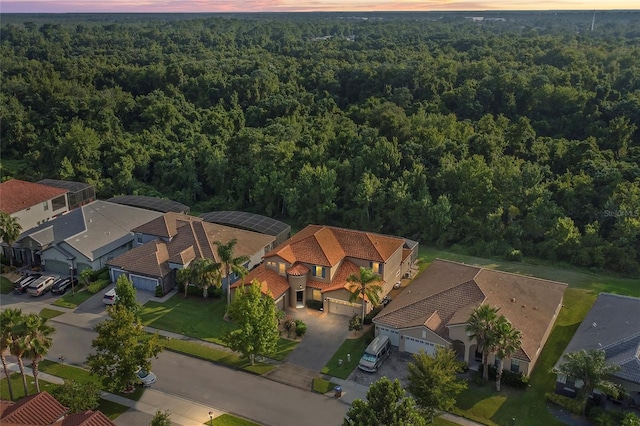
147	378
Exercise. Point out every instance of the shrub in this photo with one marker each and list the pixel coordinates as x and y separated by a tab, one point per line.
509	378
289	324
355	323
301	328
570	404
321	385
100	274
215	292
98	285
280	316
513	255
159	292
315	304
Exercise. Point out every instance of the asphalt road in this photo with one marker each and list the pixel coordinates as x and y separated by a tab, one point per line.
253	397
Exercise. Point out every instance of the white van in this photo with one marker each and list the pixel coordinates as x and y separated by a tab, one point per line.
377	351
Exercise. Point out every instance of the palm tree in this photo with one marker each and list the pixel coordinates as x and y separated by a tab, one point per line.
37	341
591	368
182	276
231	263
8	320
365	284
480	326
18	349
10	230
506	342
205	273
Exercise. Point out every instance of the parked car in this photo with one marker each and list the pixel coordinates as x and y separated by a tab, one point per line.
63	284
41	285
109	297
147	378
21	285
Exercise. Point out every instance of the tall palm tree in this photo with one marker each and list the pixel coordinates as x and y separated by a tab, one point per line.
8	320
205	273
480	326
37	341
18	348
183	276
365	284
10	230
591	368
231	263
506	341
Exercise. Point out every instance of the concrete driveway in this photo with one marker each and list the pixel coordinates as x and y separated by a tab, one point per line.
395	367
94	304
325	334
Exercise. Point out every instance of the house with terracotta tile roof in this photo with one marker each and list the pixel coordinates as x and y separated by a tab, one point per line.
613	326
42	409
315	263
32	203
433	311
172	241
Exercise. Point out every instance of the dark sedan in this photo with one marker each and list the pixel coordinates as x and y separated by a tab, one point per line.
63	284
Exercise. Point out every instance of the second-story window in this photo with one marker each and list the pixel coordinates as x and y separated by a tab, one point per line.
375	267
318	271
45	206
282	268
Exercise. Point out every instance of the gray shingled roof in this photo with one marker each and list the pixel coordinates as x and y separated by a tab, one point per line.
612	324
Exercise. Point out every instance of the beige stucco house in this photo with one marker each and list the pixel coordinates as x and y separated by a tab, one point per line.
315	263
434	309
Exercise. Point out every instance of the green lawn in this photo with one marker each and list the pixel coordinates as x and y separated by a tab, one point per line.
81	375
18	387
356	348
321	385
6	286
72	301
195	349
50	313
230	420
111	409
200	319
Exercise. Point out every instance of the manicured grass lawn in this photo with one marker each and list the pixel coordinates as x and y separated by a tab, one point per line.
72	301
231	359
18	387
200	319
50	313
111	409
528	407
230	420
356	348
81	375
439	421
321	385
6	286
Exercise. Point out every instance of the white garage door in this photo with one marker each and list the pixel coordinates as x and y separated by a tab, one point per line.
144	283
392	334
341	307
413	345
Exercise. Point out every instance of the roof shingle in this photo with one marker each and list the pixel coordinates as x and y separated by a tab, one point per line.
16	195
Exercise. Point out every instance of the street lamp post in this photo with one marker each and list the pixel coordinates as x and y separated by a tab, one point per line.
73	288
211	418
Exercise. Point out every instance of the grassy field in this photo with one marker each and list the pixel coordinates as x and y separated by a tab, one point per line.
6	286
50	313
72	301
230	420
528	407
356	348
199	319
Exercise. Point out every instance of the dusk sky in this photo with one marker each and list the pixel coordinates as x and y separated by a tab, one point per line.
192	6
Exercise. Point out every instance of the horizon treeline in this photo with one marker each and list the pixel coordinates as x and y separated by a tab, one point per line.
507	139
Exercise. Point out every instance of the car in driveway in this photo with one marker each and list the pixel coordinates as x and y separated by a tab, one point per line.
109	297
21	285
41	285
61	285
147	378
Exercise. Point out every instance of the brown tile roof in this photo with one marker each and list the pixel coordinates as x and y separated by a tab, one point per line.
164	226
453	290
16	195
339	280
327	246
298	270
88	418
150	259
270	281
33	410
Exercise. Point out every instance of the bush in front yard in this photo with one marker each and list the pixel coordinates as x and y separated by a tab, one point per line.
98	285
570	404
509	378
355	323
301	328
369	317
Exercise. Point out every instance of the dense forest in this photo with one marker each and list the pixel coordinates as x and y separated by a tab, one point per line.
512	137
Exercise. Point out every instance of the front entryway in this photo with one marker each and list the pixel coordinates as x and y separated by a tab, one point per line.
300	299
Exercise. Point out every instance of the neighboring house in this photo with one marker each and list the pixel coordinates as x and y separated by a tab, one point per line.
32	204
173	240
315	263
83	238
250	222
78	193
435	308
42	409
612	325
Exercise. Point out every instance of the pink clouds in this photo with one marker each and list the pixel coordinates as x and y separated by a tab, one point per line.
195	6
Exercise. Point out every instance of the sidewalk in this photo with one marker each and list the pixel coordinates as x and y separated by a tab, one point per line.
183	412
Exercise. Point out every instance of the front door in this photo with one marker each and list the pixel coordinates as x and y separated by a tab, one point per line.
300	299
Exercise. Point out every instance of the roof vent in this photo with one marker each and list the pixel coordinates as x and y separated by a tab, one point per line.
513	299
524	306
594	325
90	220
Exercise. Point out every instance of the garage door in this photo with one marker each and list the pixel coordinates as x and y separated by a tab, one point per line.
144	283
413	345
115	273
392	334
341	307
56	267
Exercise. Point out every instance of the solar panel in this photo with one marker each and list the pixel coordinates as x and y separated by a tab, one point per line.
150	203
65	184
249	221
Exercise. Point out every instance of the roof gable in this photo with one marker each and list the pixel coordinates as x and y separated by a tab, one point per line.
38	409
271	284
16	195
